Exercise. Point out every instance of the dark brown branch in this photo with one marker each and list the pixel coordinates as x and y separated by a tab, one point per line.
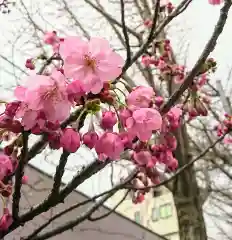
93	219
52	201
75	206
153	34
149	38
124	30
18	176
89	212
207	50
59	173
72	15
114	21
71	224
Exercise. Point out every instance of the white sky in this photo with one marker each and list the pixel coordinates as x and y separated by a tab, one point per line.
192	29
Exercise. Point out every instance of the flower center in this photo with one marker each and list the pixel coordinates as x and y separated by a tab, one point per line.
51	95
90	62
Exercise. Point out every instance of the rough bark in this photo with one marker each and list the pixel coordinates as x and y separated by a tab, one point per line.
187	196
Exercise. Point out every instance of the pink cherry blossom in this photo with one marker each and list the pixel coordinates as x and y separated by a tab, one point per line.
75	90
143	122
109	145
6	220
109	119
215	2
140	97
127	139
46	93
52	39
172	164
11	108
70	140
6	166
143	158
124	114
174	113
93	62
28	116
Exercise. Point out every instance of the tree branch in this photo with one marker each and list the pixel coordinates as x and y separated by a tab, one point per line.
126	36
75	206
18	176
59	173
71	224
207	50
93	219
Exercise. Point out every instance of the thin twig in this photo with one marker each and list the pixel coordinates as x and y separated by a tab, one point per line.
93	219
124	30
186	166
205	53
77	205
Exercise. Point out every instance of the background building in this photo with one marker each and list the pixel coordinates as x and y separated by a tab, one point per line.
113	227
157	212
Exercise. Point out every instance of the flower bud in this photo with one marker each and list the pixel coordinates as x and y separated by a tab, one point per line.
109	119
90	139
70	140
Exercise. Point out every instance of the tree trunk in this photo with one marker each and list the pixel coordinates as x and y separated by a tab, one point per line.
190	217
187	195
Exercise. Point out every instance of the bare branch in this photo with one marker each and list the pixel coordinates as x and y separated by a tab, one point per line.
207	50
126	36
18	176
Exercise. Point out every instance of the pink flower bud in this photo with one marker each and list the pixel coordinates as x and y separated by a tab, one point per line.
11	108
109	145
8	150
25	179
138	199
159	101
50	38
6	166
90	139
5	121
215	2
70	140
16	127
172	164
109	119
29	64
146	61
6	220
143	158
148	23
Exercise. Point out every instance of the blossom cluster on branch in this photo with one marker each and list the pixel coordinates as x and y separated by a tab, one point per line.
82	79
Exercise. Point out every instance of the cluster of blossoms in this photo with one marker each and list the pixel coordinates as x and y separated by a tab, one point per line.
56	102
79	85
197	99
225	127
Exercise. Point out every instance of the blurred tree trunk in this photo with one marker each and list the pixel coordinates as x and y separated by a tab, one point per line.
187	195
